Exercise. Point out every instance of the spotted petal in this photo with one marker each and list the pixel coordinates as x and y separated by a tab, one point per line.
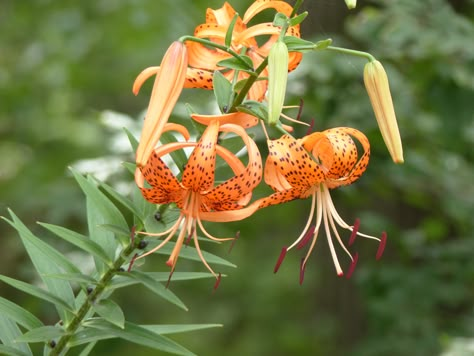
198	174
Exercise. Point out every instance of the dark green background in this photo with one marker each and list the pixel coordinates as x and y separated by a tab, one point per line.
62	63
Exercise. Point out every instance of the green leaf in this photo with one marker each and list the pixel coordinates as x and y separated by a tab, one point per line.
47	260
74	277
110	311
10	351
222	90
18	314
161	219
36	292
88	349
190	253
9	331
163	329
132	139
42	334
121	281
155	287
296	44
233	63
137	334
126	203
298	19
80	241
280	19
323	44
100	210
254	108
230	31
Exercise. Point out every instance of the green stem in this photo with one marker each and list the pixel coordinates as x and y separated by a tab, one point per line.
95	295
215	45
248	84
352	52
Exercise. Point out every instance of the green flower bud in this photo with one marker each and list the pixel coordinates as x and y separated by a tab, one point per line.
351	4
376	83
277	78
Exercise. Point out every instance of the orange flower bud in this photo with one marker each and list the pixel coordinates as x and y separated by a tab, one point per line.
376	83
169	83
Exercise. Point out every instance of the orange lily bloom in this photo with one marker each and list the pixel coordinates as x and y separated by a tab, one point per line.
215	29
168	85
310	167
196	196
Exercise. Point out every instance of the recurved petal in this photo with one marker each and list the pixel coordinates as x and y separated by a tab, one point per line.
260	5
236	118
198	174
349	167
229	215
273	177
247	36
294	162
142	77
281	197
202	57
239	186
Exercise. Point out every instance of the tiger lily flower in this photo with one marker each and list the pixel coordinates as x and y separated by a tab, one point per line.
168	85
309	167
196	195
243	37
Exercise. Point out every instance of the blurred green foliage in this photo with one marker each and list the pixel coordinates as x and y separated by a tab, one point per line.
63	62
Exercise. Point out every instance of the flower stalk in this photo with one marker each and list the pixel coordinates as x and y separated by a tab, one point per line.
95	295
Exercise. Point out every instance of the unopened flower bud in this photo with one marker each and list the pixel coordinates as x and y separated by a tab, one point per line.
277	78
376	83
168	85
351	4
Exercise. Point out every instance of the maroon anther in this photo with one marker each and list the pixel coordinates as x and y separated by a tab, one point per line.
302	269
355	229
169	278
132	234
353	265
218	281
306	237
310	128
237	235
300	109
383	242
280	259
188	239
132	261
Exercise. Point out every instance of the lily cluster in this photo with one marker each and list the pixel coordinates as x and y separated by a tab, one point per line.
249	76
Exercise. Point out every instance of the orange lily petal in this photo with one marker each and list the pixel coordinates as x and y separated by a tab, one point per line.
229	215
294	163
142	77
203	57
349	168
273	177
258	30
236	118
281	197
167	87
260	5
164	185
198	78
240	185
198	174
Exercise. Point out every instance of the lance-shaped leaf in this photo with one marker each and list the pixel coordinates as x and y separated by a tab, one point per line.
155	287
110	311
121	281
139	335
42	334
19	315
9	331
47	260
80	241
222	90
36	292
